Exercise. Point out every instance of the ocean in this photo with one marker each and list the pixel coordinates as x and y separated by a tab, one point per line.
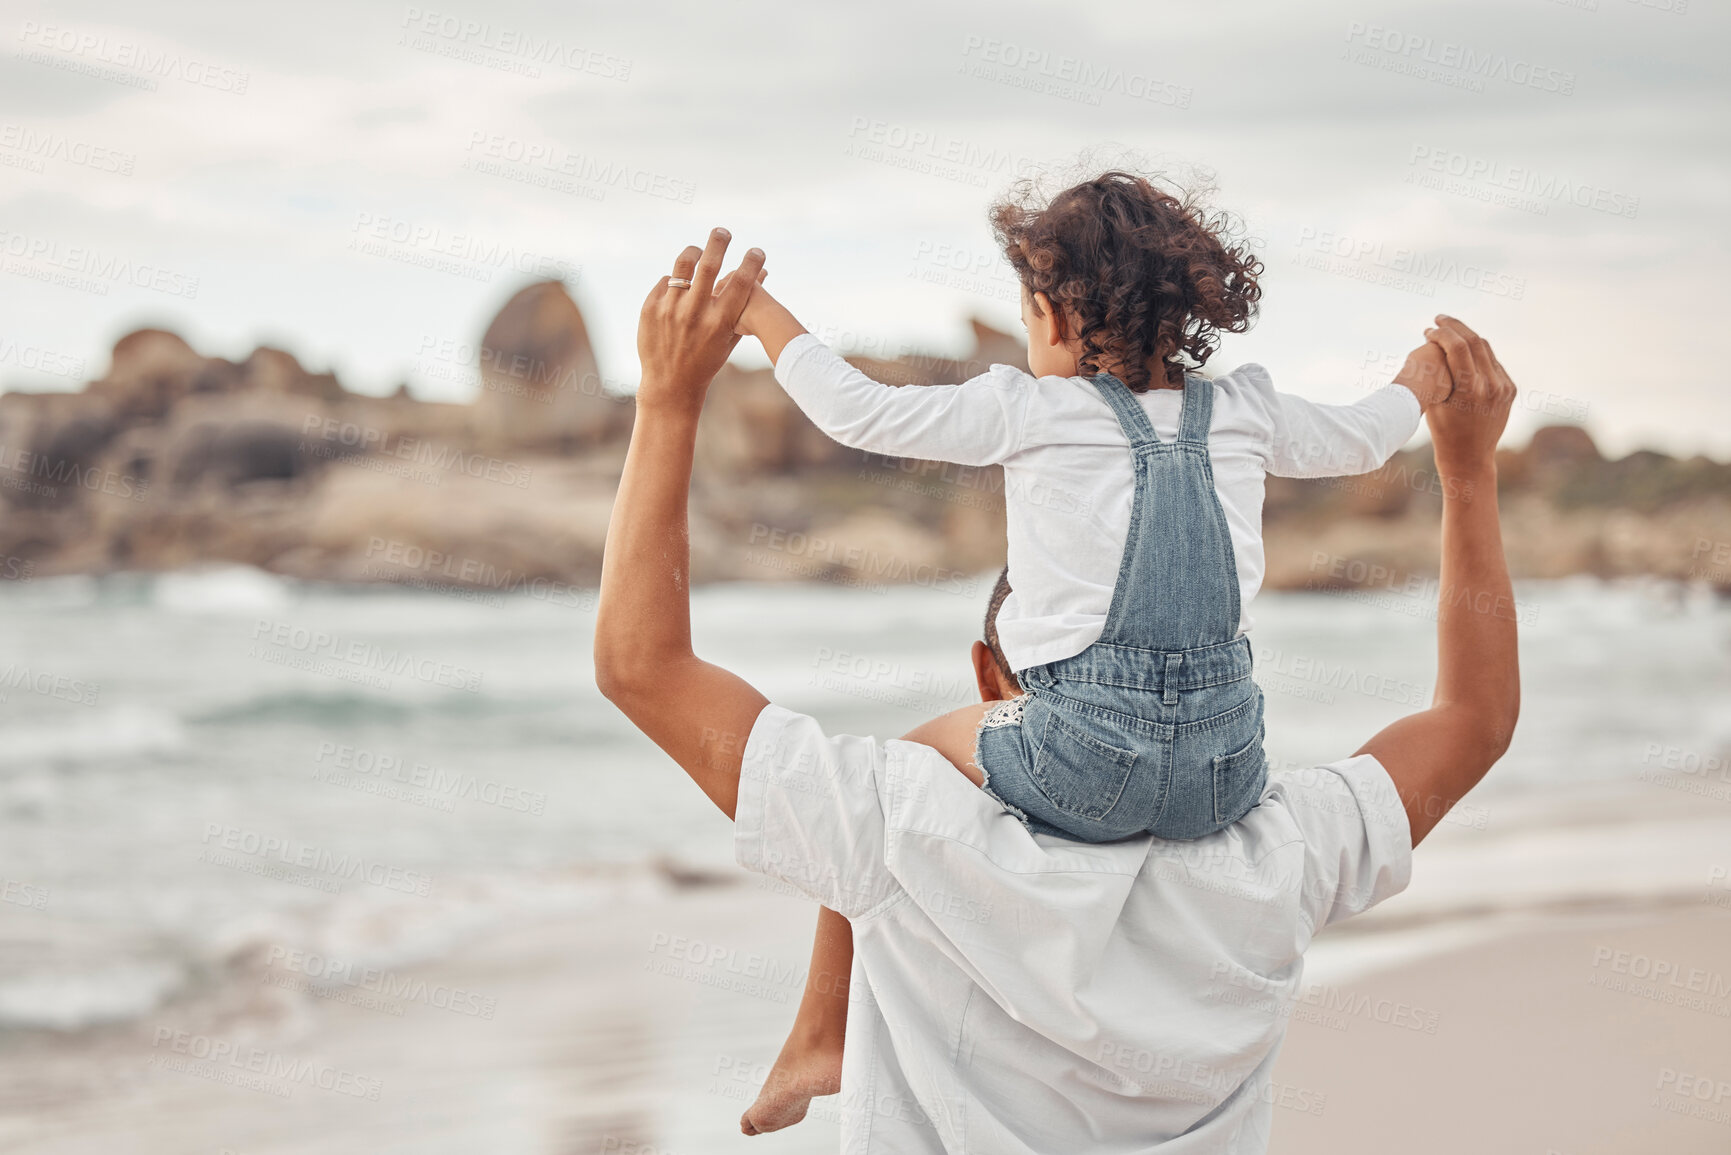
197	766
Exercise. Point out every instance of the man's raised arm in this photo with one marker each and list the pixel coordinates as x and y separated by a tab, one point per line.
699	713
1439	754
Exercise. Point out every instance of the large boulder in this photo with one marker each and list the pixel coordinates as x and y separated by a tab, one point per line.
149	371
540	386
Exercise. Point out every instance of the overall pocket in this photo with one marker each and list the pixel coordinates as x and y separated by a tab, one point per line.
1238	779
1078	772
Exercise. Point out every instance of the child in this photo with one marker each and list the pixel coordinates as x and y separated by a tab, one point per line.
1130	572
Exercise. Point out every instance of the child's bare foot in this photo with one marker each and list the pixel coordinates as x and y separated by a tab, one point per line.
803	1071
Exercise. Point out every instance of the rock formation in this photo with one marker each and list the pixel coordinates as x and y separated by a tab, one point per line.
176	459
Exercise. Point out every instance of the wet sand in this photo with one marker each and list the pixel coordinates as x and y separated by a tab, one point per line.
1544	1041
1463	1016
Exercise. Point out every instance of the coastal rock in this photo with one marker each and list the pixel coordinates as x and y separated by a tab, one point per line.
541	389
174	459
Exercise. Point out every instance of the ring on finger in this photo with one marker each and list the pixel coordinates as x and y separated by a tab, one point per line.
678	283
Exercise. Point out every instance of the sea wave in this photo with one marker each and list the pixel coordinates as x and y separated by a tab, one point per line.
109	732
63	999
223	590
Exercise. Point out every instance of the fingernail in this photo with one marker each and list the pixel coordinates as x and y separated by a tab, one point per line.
722	233
754	252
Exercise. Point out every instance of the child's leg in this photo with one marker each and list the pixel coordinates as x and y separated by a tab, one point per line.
952	735
810	1061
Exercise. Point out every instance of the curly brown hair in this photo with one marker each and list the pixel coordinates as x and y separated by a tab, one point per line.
1147	276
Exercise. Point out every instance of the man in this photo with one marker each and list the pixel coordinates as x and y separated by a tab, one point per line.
1012	992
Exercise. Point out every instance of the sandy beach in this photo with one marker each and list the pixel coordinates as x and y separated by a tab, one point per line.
638	1012
1557	978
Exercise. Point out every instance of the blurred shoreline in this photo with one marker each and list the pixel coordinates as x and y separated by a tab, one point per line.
644	1007
174	460
484	889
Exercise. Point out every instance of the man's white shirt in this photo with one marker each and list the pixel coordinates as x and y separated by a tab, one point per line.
1013	993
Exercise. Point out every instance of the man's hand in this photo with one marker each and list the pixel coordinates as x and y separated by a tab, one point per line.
685	335
1465	429
1437	755
1426	374
701	714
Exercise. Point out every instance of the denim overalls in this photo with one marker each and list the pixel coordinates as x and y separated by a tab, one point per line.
1156	727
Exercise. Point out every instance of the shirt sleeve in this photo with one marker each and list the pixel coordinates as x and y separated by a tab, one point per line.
810	815
1308	439
978	422
1357	845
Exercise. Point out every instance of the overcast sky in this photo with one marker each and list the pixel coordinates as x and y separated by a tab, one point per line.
365	183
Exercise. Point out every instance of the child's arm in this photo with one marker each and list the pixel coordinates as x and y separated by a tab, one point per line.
978	422
1312	440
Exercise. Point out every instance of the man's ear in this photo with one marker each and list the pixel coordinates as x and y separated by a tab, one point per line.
995	685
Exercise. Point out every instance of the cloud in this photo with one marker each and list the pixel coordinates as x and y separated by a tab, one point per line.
857	146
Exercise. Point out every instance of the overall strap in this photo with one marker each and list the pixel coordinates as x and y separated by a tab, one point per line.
1131	416
1198	413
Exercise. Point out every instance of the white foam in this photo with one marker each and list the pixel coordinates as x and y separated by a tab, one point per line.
94	734
224	590
67	1000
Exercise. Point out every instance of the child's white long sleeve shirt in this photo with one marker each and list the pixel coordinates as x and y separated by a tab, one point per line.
1067	468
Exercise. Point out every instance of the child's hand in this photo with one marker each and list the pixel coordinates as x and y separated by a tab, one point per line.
757	310
768	320
1426	373
740	327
